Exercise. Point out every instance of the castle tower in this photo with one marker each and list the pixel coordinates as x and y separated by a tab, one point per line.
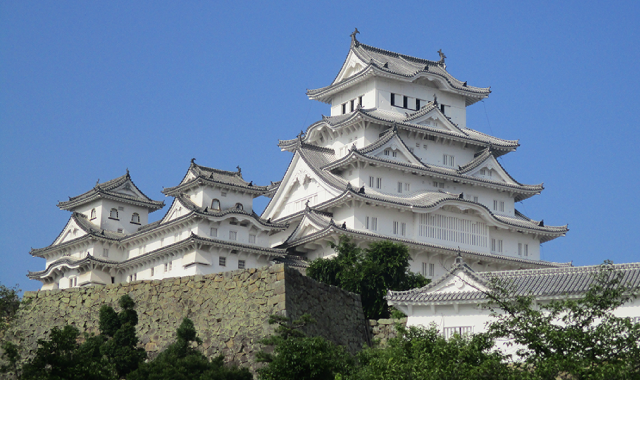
395	160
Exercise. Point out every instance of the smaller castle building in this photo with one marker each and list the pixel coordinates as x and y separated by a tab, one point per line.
210	227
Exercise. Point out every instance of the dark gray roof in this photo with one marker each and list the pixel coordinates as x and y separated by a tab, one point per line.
550	282
106	190
380	62
332	229
215	177
89	259
522	191
389	118
84	224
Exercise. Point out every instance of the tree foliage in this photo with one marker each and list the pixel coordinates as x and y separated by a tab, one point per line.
118	331
423	353
573	337
295	356
9	303
370	272
181	361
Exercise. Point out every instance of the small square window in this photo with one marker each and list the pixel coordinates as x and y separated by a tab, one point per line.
222	261
213	232
240	264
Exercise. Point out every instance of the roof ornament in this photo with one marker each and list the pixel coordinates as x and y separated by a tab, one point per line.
97	182
459	259
426	68
442	57
332	223
541	223
306	205
361	190
435	99
193	161
394	128
251	183
461	195
353	147
354	40
344	225
239	169
349	186
386	65
464	84
269	220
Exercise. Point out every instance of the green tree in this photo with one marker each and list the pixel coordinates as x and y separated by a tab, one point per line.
120	340
423	353
383	266
181	361
295	356
573	337
9	303
62	357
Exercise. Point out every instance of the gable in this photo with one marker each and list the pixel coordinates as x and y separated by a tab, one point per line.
490	169
394	149
432	118
176	210
352	66
70	232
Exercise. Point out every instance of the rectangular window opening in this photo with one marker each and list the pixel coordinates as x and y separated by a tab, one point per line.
222	261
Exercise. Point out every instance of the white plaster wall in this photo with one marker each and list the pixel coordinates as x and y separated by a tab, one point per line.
364	89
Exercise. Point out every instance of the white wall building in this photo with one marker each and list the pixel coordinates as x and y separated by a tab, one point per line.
210	227
395	160
455	302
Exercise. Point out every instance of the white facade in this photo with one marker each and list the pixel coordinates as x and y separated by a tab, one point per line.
209	228
456	302
396	161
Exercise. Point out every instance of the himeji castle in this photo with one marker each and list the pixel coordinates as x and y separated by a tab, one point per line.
395	160
210	227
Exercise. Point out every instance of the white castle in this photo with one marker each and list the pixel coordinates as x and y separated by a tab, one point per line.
394	161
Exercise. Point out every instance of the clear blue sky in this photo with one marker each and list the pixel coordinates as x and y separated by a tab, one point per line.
88	89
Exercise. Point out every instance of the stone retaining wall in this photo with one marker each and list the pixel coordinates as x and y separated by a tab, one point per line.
230	310
384	329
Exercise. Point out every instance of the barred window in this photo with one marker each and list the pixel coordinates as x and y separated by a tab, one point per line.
447	228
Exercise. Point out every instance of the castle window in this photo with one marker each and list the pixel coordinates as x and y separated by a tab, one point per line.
386	152
223	194
135	218
353	104
153	271
241	264
93	214
252	238
520	249
360	101
120	230
371	223
379	182
222	261
400	187
405	102
113	214
233	235
442	108
213	232
344	108
448	160
394	154
371	179
393	99
239	206
215	205
105	253
417	104
526	250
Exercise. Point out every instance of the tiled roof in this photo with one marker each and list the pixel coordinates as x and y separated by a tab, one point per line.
389	118
550	282
215	177
106	191
159	252
331	228
382	62
89	228
522	191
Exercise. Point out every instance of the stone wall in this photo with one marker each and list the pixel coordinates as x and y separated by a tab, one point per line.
384	329
230	310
